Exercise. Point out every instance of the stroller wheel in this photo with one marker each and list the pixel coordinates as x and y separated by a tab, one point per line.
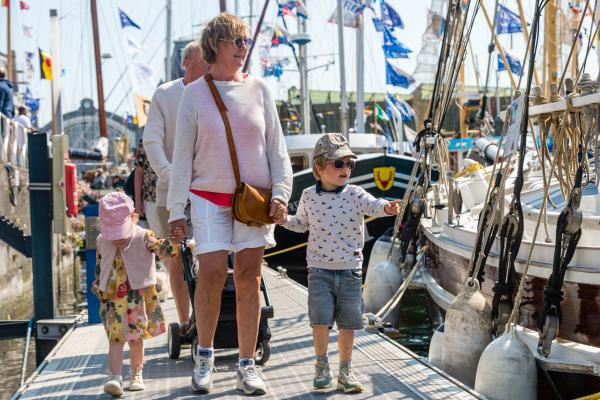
194	349
174	341
263	352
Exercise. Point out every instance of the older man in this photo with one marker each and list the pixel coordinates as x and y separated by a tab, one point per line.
159	137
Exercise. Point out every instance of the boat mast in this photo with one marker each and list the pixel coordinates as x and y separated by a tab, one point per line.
304	94
360	71
168	47
56	82
9	54
343	96
551	56
223	5
101	110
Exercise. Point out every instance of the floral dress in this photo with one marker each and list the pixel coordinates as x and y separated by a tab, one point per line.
129	314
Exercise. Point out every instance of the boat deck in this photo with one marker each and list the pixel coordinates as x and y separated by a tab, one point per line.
77	366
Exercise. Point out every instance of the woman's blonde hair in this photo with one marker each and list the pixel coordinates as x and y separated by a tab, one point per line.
222	27
321	163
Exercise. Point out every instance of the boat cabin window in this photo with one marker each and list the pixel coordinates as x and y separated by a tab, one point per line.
299	162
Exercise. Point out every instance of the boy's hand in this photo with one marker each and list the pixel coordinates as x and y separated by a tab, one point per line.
393	207
278	212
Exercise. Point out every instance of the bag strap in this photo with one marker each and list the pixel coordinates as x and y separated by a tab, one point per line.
223	111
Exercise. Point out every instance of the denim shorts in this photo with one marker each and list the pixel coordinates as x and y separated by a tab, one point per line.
335	295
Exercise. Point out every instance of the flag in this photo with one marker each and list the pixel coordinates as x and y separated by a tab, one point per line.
29	69
406	111
5	3
392	47
27	30
32	103
396	77
133	46
143	80
279	36
507	21
272	69
45	65
23	5
142	105
301	10
350	11
294	7
380	114
513	62
390	17
126	21
437	24
379	25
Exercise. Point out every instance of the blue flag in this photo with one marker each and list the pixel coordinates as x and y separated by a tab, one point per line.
406	111
390	17
126	21
392	47
396	77
514	62
274	69
32	103
379	25
507	21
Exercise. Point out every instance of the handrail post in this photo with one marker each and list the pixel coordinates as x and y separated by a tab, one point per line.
91	233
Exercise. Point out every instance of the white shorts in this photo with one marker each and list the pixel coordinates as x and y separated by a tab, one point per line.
215	229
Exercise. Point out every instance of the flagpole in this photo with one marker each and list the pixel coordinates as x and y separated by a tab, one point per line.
223	5
360	72
168	46
57	122
101	110
304	96
343	96
9	54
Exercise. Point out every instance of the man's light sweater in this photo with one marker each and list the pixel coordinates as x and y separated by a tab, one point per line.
334	221
201	159
159	134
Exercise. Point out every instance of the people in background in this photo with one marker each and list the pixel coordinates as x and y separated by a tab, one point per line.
202	172
159	137
6	95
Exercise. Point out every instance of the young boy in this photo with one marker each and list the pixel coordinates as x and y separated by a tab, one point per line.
332	211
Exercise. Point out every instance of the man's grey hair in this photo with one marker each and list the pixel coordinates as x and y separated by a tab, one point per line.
187	50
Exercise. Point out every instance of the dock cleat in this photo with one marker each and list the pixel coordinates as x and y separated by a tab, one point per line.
203	370
347	381
136	382
249	379
323	375
114	386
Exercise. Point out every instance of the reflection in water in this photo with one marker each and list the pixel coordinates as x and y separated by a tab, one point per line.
11	360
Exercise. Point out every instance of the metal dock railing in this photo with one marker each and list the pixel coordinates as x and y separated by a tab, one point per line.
76	368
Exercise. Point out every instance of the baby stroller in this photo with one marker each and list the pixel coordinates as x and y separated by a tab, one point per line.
226	332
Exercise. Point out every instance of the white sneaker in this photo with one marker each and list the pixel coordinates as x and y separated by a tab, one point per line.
249	379
203	370
136	383
114	386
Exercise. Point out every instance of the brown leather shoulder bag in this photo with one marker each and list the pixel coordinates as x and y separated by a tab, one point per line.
251	204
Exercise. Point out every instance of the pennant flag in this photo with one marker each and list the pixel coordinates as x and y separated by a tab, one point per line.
45	65
380	114
23	5
406	111
379	25
32	103
513	62
396	77
29	69
350	11
126	21
133	46
272	69
507	21
142	78
301	10
5	3
27	31
295	7
279	36
392	47
390	17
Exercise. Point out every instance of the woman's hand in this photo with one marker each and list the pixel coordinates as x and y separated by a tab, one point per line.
139	206
178	229
278	211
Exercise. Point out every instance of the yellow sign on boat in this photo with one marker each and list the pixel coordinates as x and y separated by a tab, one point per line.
384	177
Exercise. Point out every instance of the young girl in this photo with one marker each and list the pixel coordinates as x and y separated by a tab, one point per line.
125	284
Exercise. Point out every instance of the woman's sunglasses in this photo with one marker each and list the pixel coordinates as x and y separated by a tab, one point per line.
339	164
239	42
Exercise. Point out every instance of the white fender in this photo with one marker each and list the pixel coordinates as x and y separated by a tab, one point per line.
383	280
436	347
507	370
467	331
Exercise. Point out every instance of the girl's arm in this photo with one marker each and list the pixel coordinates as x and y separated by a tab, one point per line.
163	248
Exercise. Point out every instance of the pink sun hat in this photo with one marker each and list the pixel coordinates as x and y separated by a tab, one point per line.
115	216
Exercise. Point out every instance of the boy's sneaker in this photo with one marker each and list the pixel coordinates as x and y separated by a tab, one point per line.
114	386
347	381
248	378
136	383
323	375
203	370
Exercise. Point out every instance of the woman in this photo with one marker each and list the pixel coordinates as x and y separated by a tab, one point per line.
202	171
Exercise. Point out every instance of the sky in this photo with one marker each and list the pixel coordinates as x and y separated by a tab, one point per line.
77	48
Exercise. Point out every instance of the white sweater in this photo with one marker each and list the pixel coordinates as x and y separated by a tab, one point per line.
159	134
201	158
334	221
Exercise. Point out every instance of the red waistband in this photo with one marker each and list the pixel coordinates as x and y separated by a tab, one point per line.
220	199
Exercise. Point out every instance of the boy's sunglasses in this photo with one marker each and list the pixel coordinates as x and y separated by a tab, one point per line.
339	164
239	42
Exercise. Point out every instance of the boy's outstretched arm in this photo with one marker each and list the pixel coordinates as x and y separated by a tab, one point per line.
393	207
369	205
